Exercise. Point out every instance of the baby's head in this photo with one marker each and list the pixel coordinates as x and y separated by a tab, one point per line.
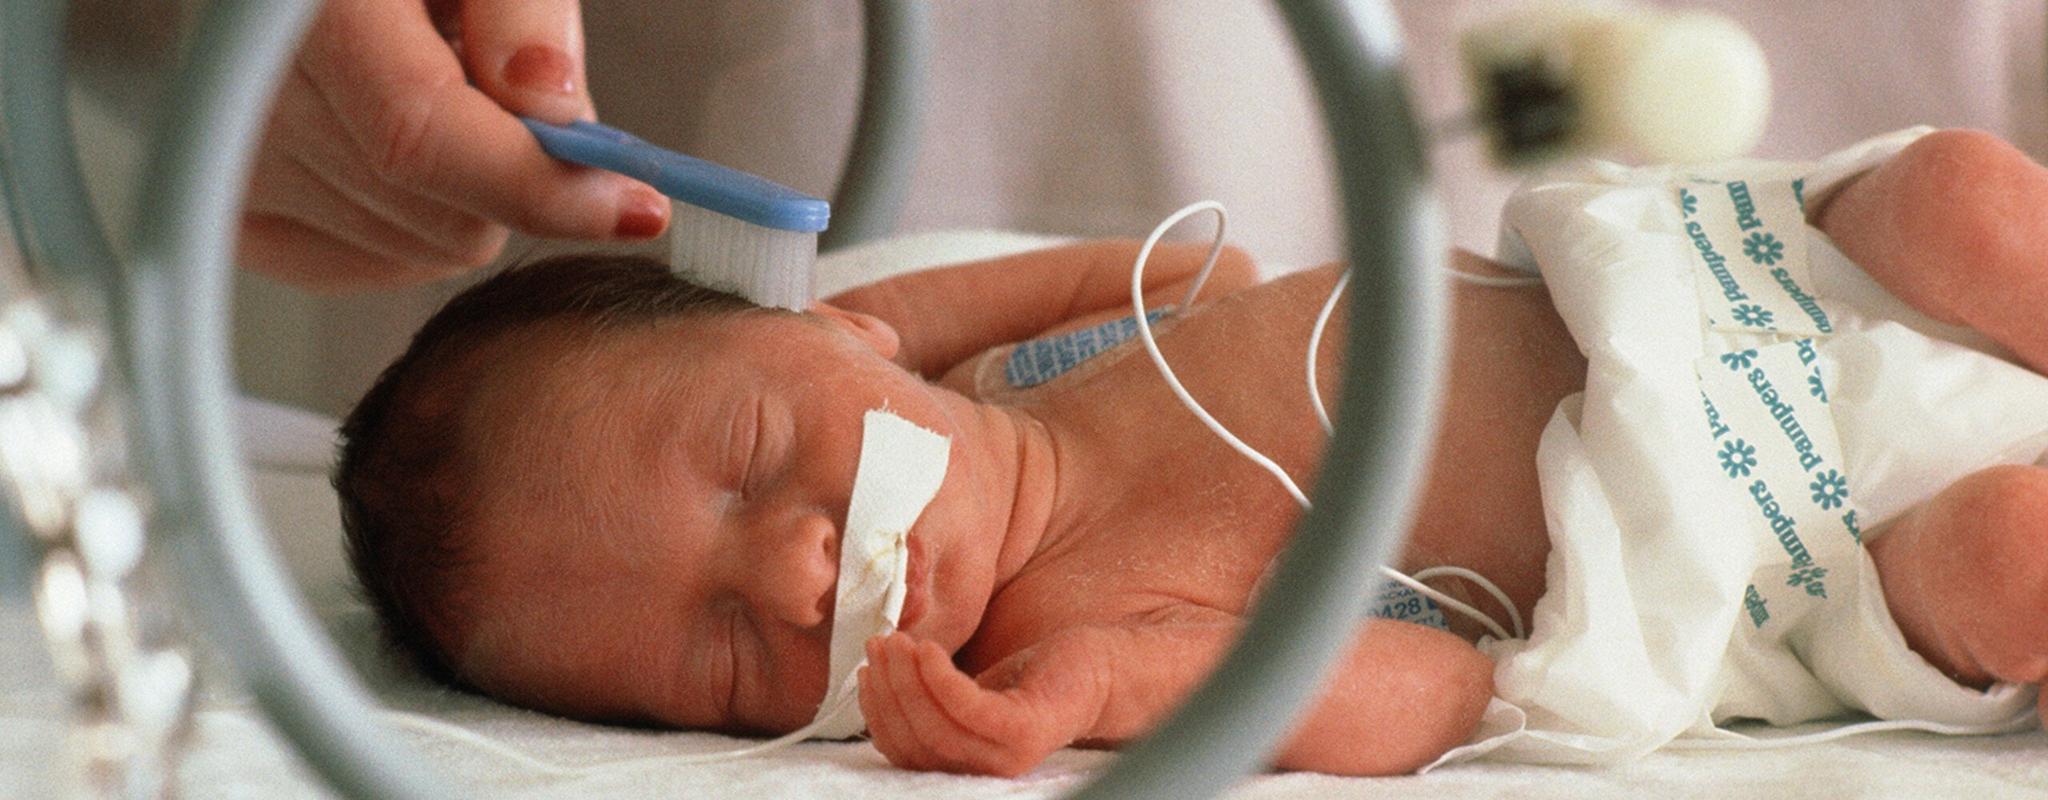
592	488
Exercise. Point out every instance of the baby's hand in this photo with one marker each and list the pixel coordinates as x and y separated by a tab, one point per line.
924	713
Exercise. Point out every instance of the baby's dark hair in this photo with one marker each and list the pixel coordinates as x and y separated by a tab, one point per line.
401	473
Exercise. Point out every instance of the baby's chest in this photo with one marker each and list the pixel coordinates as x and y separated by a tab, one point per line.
1205	548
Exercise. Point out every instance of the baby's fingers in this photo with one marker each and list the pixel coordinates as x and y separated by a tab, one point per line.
952	718
888	727
899	716
1001	717
948	744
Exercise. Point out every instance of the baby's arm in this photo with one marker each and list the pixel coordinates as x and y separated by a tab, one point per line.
947	315
1402	696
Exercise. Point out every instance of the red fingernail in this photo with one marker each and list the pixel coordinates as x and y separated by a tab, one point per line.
644	216
540	68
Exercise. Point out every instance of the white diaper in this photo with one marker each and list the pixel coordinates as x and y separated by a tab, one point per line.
1754	403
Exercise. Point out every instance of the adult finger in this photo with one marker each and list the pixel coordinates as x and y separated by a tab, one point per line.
528	56
470	153
307	162
421	126
292	191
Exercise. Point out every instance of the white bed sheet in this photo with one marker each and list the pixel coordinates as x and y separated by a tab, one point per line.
234	753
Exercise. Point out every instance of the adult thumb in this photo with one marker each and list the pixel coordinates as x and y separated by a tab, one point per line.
528	56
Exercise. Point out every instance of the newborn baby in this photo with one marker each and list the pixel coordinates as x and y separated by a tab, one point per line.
593	489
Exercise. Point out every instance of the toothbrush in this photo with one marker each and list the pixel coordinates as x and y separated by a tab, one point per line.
729	230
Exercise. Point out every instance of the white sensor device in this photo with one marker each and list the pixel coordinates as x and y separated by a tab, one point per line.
1617	78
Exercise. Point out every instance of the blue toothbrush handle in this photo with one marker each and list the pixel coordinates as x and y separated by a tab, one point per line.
743	196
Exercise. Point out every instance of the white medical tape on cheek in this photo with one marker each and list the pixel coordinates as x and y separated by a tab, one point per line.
901	467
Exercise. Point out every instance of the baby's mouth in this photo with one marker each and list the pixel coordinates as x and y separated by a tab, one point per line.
917	584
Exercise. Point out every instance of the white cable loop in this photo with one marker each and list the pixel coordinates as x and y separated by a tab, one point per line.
1158	360
1448	601
1315	400
452	732
1514	614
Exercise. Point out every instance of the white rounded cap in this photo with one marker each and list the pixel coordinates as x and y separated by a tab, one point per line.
1672	87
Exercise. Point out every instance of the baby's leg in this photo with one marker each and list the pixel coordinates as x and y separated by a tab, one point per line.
1957	226
1966	576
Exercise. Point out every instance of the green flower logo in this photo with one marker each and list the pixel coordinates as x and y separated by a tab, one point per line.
1810	579
1688	202
1739	360
1830	489
1815	387
1737	457
1753	315
1763	248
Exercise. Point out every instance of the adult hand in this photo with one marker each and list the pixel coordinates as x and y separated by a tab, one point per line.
393	154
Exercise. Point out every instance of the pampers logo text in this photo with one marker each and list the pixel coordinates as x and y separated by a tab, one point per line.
1715	263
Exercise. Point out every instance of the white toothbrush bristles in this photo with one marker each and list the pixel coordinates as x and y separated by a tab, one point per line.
768	267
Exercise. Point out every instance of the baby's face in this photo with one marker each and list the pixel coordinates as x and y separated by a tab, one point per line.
660	518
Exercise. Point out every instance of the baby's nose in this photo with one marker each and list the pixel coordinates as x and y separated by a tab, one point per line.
802	591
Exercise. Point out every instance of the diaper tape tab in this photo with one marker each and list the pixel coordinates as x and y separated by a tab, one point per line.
1774	438
1747	240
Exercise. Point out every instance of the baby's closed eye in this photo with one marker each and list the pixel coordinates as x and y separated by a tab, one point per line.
746	448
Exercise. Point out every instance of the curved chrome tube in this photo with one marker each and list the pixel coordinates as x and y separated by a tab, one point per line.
59	229
176	358
1372	472
872	188
174	344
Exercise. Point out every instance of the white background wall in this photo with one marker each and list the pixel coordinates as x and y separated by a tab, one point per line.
1093	118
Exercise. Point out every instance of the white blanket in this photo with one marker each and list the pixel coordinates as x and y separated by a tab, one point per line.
234	754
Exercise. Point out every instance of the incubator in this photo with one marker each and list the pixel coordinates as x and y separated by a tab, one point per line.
119	471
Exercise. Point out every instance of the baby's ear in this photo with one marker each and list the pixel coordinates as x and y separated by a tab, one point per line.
869	329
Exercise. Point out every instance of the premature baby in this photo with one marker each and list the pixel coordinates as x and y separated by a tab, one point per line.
594	489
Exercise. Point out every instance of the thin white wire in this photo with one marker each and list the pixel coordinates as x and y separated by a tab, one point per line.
1514	614
1315	396
1315	345
1315	334
1158	360
1447	601
1315	339
453	732
1496	281
450	731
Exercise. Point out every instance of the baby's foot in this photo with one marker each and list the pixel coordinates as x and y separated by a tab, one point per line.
1966	577
1955	225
